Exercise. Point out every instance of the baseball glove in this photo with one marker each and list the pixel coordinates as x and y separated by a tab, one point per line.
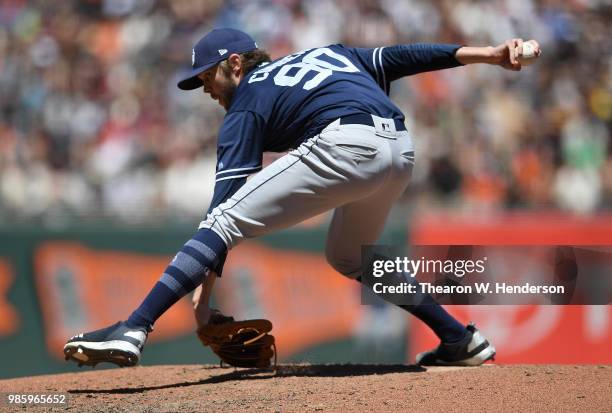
239	343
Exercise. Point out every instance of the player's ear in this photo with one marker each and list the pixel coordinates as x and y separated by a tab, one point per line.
235	63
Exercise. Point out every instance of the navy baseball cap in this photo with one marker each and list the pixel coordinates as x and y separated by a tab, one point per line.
213	48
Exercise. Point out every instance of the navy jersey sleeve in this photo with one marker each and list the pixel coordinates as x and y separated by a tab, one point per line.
386	64
239	153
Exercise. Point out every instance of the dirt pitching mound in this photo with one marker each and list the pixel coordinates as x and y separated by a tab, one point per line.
305	388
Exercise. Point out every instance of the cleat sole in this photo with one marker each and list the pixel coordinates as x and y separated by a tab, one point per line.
91	357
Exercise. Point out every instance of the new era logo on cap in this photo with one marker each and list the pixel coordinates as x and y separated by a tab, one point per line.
211	49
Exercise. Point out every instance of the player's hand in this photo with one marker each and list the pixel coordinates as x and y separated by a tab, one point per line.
507	54
203	314
201	300
201	311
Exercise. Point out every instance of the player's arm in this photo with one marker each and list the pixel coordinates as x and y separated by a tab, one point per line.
410	59
505	55
201	300
239	154
386	64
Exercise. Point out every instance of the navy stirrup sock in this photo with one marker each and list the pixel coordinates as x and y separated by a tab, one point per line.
186	271
445	326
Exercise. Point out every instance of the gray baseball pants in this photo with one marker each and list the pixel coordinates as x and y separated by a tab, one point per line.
357	170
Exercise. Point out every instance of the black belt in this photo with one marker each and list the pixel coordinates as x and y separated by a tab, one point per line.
365	119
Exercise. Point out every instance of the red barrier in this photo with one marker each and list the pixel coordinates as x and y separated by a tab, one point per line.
512	229
526	334
9	318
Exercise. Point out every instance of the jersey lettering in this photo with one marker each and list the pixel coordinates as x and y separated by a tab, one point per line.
262	74
282	78
289	76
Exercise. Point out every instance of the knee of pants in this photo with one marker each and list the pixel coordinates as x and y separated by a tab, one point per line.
225	226
349	267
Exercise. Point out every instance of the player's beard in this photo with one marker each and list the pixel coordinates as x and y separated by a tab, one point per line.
226	94
226	88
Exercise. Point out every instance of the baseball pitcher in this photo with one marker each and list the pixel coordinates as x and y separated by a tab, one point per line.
349	151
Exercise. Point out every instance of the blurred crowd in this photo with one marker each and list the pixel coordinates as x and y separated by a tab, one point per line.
92	124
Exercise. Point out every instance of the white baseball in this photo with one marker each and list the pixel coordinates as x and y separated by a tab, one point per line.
528	56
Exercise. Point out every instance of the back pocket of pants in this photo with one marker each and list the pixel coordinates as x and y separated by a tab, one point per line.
409	156
362	151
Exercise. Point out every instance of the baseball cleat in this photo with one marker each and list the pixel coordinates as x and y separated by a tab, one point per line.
473	350
118	344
